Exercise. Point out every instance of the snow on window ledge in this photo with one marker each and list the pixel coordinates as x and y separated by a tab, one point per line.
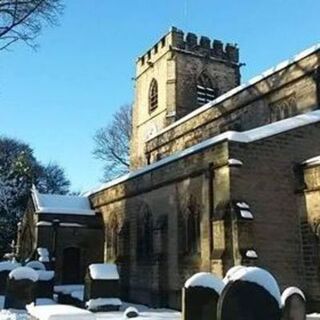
252	254
246	214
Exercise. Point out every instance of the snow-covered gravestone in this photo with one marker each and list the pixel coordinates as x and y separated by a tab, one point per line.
36	265
102	289
200	296
44	288
293	304
5	268
251	293
20	288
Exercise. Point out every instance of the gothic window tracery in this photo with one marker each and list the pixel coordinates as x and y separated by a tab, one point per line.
153	95
205	89
283	108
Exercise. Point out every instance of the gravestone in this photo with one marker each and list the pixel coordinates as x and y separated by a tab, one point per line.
293	304
200	297
102	287
36	265
251	294
20	288
5	268
44	287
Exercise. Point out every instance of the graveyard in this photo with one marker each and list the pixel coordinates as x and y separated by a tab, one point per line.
28	292
207	207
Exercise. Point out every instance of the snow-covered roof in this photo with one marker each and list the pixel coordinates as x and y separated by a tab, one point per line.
282	65
244	137
205	280
61	204
103	271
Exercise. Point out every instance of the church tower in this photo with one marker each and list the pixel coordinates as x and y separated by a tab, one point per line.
178	74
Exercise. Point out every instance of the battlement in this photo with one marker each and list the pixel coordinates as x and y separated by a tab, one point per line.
190	43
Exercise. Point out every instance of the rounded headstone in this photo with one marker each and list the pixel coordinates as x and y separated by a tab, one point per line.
251	293
293	304
200	296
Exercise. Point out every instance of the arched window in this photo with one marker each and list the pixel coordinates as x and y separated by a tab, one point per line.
190	237
205	90
113	237
153	95
144	234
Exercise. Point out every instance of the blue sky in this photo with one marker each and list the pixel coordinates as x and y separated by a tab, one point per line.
55	98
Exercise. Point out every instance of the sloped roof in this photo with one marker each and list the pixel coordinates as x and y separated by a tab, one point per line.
61	204
248	136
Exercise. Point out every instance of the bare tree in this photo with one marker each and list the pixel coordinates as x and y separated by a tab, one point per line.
112	144
22	20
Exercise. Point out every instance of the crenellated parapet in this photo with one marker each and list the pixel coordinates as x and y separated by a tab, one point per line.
189	42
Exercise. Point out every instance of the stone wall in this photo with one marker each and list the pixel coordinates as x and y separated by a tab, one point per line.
270	182
309	197
86	235
288	92
167	194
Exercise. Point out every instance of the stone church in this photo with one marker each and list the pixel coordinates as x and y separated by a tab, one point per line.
222	173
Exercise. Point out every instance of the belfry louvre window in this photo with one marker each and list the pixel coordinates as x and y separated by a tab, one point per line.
205	90
153	95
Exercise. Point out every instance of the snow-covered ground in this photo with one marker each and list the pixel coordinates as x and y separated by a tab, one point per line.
145	314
